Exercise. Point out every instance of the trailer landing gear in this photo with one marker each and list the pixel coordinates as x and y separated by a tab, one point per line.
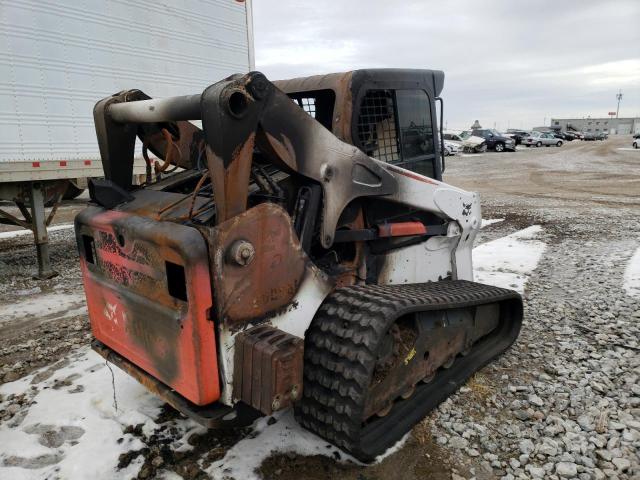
31	198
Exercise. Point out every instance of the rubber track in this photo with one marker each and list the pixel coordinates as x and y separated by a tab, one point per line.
340	355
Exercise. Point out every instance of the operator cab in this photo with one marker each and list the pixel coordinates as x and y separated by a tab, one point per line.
389	114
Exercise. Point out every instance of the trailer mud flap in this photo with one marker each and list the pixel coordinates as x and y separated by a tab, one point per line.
149	297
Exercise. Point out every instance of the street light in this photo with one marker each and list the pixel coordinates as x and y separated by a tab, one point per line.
619	97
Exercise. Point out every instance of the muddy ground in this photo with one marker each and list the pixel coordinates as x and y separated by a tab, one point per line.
587	197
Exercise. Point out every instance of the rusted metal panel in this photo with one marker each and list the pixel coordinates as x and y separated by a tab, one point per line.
268	368
270	280
231	182
340	83
149	297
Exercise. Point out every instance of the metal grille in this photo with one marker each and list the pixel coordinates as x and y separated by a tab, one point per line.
377	126
308	104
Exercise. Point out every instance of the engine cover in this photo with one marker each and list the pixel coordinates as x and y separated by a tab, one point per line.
149	297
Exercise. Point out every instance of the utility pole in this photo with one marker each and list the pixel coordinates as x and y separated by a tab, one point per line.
619	97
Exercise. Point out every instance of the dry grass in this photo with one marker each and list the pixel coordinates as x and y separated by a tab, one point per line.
422	431
479	386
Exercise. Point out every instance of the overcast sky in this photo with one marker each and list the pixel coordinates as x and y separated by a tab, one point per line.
507	63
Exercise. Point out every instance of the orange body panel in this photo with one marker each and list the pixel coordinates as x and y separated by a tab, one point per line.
149	297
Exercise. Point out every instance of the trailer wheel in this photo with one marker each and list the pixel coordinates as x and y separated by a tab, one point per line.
72	192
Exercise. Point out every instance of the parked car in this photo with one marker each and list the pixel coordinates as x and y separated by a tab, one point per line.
558	134
636	141
472	143
517	135
450	148
538	139
601	136
453	137
588	136
570	136
495	140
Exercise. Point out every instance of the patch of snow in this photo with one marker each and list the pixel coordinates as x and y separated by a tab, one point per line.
168	475
74	407
629	149
285	435
85	408
27	291
50	304
390	451
632	275
20	233
490	221
508	261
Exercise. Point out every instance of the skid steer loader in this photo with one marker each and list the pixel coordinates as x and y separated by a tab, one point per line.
299	250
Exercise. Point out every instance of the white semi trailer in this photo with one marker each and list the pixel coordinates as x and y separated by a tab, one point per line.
58	58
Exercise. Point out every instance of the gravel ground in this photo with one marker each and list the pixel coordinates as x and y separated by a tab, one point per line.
36	340
563	402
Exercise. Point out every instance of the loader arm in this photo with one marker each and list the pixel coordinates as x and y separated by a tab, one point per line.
238	114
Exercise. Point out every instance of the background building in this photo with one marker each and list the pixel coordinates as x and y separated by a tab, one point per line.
613	126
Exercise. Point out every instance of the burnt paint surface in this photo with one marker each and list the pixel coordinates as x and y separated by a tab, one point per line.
130	307
271	280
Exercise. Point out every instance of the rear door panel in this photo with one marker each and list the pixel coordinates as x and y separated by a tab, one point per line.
149	297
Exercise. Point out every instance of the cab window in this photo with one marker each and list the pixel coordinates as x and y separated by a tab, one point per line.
414	118
395	126
317	103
